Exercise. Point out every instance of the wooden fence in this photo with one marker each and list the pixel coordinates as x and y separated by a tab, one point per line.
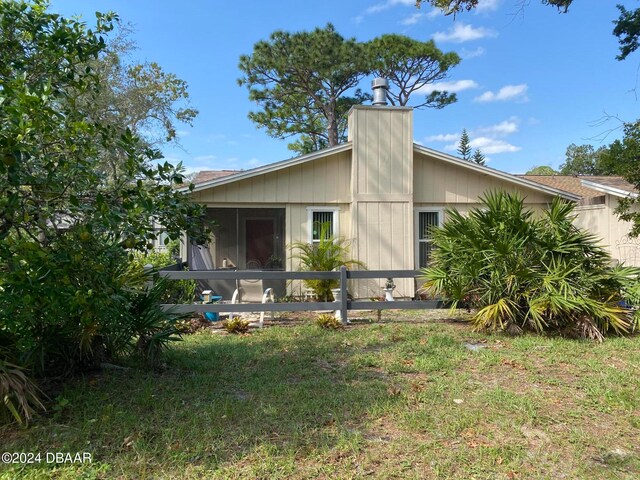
343	305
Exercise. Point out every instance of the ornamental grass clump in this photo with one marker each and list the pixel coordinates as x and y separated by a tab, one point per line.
522	272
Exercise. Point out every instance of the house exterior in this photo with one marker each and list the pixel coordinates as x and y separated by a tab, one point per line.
599	197
380	190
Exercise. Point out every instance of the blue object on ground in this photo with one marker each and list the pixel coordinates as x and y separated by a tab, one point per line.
213	316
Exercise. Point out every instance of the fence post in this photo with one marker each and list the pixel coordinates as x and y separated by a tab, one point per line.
343	295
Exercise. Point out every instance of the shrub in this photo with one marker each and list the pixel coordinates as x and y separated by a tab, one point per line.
327	255
175	291
236	325
523	273
328	321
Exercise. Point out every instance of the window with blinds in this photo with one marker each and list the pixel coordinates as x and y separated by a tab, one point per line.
426	222
322	220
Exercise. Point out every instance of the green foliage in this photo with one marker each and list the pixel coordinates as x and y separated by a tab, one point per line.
324	256
627	30
627	25
526	273
329	322
464	147
585	160
151	328
175	291
478	157
68	298
626	153
542	170
236	325
305	83
409	65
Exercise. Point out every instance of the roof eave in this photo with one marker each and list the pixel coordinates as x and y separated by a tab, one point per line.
616	192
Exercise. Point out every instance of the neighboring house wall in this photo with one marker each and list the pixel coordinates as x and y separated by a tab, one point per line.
602	221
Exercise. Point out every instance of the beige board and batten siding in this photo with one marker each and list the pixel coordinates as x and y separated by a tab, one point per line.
323	180
602	221
382	186
446	184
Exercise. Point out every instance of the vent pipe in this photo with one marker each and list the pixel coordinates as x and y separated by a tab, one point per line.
380	87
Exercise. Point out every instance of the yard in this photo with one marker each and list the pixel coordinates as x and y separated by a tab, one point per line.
398	398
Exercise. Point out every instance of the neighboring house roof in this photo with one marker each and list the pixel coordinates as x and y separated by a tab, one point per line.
588	187
233	176
207	175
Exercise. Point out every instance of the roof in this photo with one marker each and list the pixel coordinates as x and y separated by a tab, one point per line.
206	175
234	176
587	187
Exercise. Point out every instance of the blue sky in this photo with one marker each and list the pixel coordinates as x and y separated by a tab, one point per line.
531	81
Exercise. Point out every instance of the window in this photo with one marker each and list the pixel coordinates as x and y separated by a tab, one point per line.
425	221
318	218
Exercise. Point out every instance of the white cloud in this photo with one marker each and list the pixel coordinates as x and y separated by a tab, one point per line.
462	32
183	133
492	145
381	7
412	19
489	139
508	92
487	5
254	162
452	87
443	137
507	127
476	52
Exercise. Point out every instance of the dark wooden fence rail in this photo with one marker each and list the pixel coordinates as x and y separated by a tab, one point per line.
342	306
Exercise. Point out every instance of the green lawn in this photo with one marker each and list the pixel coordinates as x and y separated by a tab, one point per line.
400	398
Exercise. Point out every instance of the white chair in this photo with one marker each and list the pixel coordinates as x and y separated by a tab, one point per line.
251	291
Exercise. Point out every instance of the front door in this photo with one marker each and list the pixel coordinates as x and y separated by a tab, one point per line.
260	242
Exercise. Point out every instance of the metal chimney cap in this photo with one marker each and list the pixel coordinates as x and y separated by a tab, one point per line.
379	83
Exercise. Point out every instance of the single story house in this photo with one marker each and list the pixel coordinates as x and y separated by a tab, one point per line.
380	190
599	197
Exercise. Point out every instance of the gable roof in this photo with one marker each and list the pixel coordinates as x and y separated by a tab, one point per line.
234	176
588	187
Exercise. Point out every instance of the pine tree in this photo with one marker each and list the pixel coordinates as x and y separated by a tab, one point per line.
464	147
478	157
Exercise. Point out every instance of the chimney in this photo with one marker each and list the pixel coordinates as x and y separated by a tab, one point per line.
380	87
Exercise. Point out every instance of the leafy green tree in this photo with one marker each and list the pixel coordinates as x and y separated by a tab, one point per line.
411	65
67	295
627	26
524	273
464	145
298	80
305	83
478	157
584	160
542	170
142	96
625	154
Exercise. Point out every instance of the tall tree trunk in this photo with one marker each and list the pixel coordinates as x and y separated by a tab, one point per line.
332	128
